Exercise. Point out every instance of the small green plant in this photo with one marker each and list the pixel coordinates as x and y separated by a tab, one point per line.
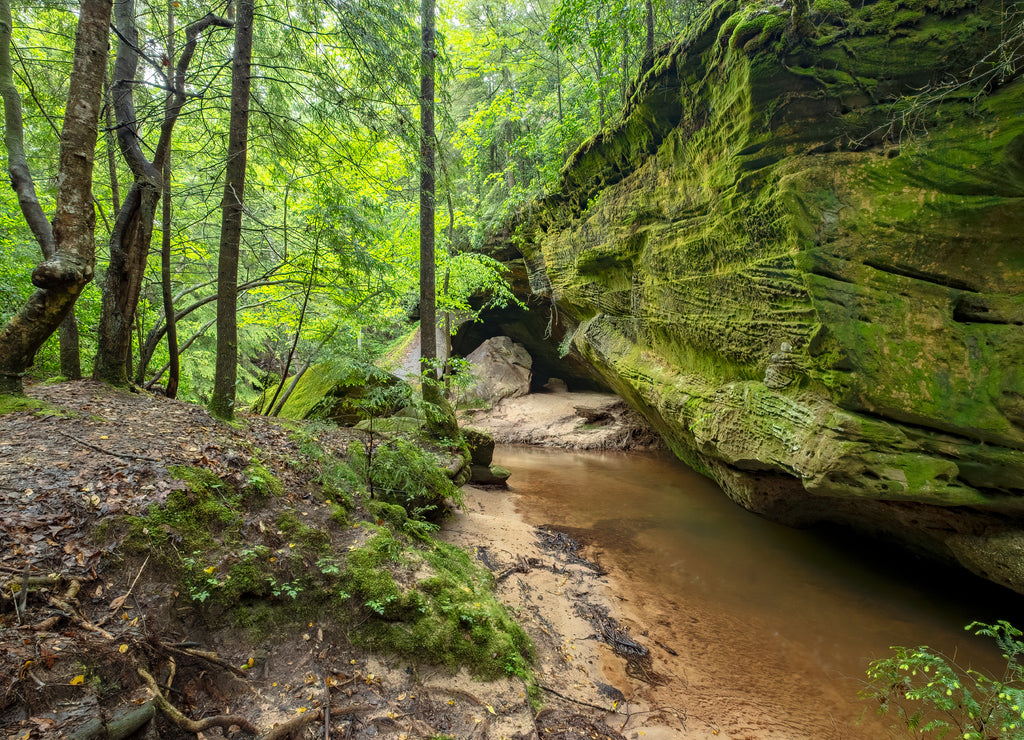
934	697
199	579
402	473
261	482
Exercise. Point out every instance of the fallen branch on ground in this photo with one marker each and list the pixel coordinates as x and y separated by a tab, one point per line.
90	445
203	655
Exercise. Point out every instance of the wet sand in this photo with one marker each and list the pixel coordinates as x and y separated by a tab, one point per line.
772	628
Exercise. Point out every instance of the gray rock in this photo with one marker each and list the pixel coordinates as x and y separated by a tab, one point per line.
502	369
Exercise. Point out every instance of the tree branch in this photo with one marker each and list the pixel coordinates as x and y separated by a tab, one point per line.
14	139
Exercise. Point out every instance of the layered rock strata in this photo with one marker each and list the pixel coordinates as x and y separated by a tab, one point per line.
800	255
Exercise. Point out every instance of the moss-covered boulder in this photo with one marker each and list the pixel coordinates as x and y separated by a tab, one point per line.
340	393
799	255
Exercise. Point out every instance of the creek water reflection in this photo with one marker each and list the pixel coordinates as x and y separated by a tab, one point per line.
783	619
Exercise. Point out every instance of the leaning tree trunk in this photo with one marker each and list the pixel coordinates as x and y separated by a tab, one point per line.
133	230
59	279
222	402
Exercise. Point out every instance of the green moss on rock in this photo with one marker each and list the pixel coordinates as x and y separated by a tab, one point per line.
802	192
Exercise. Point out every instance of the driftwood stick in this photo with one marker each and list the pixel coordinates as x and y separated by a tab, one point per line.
90	445
191	725
577	701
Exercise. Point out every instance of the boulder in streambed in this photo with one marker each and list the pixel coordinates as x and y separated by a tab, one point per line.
502	369
489	475
480	444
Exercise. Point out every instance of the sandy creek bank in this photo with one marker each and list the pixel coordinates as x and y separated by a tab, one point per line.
681	692
720	667
68	658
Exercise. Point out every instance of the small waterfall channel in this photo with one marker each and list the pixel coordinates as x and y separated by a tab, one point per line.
774	627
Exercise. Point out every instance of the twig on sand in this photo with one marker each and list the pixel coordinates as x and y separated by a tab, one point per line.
577	701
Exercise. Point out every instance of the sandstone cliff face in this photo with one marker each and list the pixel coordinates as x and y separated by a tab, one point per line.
808	275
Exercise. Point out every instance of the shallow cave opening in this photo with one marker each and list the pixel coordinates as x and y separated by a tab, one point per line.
528	327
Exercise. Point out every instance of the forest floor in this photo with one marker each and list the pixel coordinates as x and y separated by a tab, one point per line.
94	631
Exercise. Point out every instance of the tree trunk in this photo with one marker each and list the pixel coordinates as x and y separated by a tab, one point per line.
298	329
222	403
133	230
70	348
650	29
165	284
59	279
115	186
428	318
165	244
276	410
439	416
129	247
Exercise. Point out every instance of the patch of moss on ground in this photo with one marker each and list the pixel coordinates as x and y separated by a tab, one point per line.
10	404
193	515
261	481
449	618
241	551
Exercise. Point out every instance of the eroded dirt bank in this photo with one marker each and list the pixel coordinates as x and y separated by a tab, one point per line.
80	615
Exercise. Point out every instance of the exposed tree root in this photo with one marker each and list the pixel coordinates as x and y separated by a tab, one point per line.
191	725
287	729
202	655
116	729
78	618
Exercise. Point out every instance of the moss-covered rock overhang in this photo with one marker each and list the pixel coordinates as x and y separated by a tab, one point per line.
799	254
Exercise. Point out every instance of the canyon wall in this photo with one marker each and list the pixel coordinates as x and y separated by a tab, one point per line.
800	254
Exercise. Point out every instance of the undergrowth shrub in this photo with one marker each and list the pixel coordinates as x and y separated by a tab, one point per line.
401	472
932	696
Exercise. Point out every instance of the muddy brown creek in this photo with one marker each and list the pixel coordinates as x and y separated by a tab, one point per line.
773	627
